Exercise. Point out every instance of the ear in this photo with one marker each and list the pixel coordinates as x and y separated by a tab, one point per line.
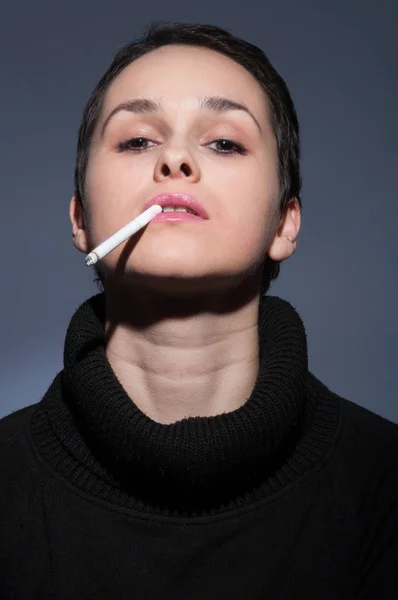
78	220
285	240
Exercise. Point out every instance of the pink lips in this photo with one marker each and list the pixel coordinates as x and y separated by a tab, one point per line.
178	201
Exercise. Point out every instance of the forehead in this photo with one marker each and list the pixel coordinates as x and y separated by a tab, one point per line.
178	76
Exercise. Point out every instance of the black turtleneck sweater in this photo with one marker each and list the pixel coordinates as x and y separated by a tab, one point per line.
292	496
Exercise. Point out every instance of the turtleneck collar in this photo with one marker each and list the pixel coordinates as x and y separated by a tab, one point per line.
193	466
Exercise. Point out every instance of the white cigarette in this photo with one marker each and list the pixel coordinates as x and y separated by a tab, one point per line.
120	236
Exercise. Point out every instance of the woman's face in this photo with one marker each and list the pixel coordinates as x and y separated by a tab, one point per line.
236	181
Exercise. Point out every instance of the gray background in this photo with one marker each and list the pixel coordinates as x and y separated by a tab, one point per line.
340	62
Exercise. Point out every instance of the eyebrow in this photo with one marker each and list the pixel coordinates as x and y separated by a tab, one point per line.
143	105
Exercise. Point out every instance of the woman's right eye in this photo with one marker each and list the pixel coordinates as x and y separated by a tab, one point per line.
136	144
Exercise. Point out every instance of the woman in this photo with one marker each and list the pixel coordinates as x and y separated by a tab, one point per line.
185	451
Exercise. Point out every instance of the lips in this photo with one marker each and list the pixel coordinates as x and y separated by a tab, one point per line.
178	200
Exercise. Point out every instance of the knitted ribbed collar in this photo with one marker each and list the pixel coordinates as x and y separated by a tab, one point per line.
99	438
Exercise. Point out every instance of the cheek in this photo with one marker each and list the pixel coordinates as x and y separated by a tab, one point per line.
253	197
252	194
108	176
253	233
113	193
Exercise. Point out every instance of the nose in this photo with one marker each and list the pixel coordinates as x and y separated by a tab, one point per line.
176	163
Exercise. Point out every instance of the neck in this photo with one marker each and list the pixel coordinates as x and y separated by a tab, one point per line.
198	358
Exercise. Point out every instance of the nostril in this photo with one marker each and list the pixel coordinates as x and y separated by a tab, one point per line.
185	169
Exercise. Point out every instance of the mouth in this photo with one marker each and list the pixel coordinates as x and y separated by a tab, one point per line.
178	204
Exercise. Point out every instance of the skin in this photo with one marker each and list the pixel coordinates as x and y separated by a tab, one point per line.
182	298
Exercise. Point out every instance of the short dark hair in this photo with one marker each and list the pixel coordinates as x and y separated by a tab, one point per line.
282	112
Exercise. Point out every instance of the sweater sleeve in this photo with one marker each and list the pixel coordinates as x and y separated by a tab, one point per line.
378	577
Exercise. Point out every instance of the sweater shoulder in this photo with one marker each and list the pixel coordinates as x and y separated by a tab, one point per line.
370	446
13	427
374	436
16	457
365	449
360	428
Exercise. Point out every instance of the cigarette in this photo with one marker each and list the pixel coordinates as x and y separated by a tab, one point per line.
120	236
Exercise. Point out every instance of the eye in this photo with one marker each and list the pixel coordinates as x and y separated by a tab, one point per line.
136	144
228	147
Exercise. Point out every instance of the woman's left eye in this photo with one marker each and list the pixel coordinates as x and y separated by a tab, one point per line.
228	147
